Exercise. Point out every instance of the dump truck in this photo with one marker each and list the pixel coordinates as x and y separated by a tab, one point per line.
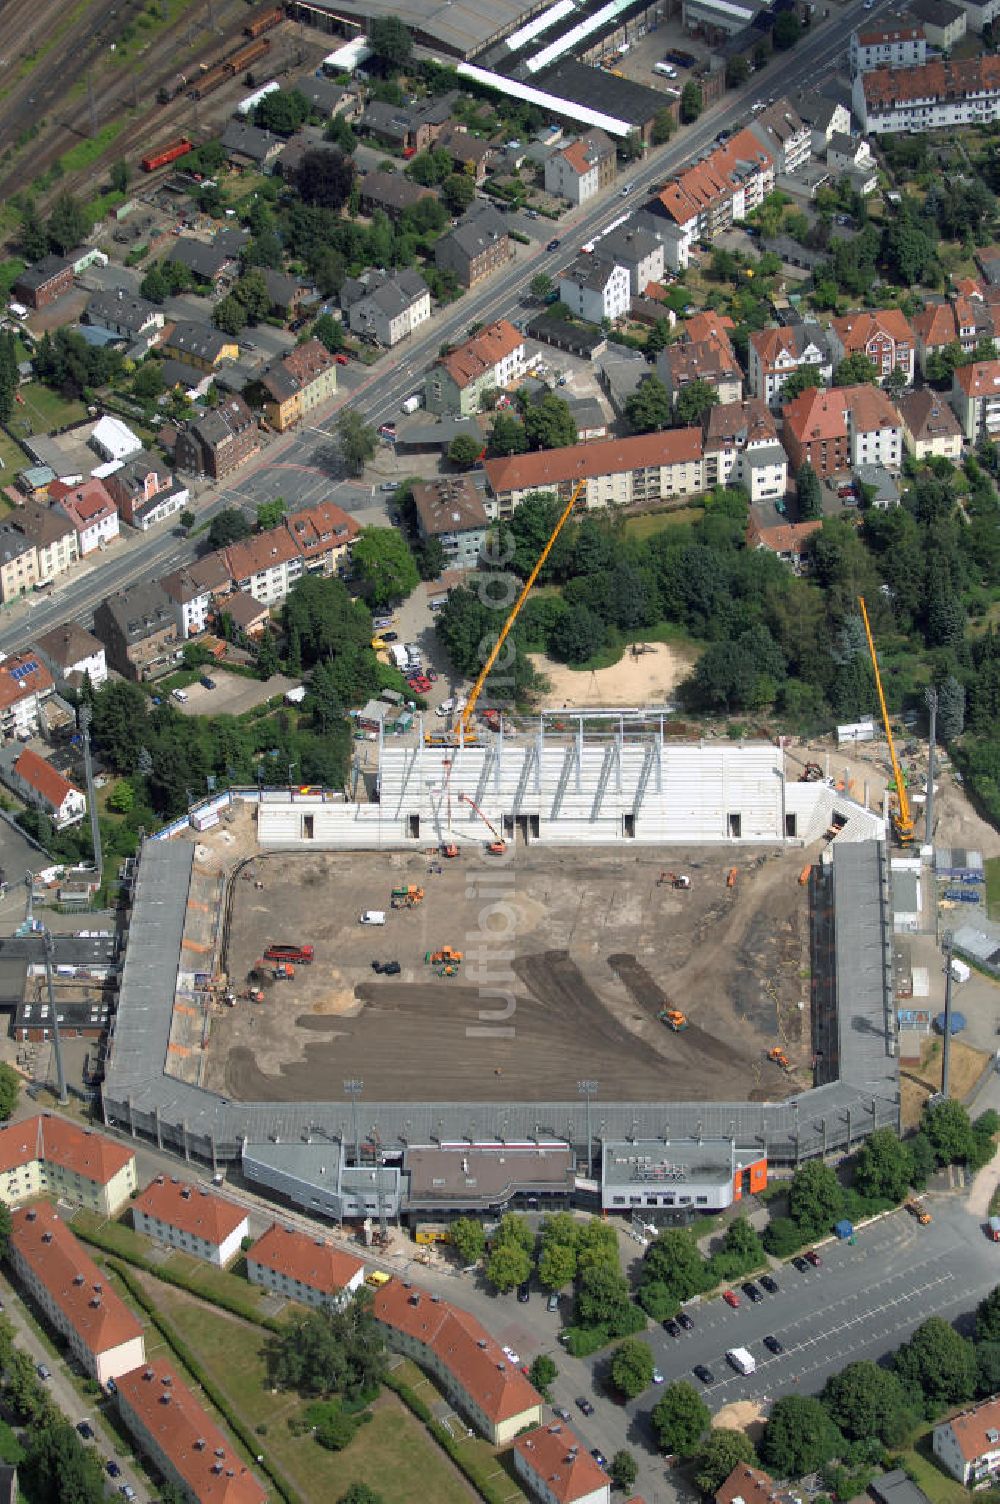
299	955
917	1209
994	1229
674	880
449	849
779	1057
674	1019
445	956
804	875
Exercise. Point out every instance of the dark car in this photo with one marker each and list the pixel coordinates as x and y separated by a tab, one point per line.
523	1291
553	245
599	1457
672	1327
208	683
114	1471
391	969
752	1293
561	1413
389	636
85	1429
377	968
704	1373
773	1345
584	1406
685	1321
769	1284
812	1257
801	1265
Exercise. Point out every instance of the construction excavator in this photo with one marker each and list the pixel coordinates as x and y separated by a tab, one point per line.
674	1019
408	897
496	847
673	880
902	818
462	732
778	1057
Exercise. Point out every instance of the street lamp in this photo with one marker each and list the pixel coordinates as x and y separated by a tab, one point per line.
354	1088
588	1090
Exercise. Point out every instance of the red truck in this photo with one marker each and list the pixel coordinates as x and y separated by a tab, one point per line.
299	955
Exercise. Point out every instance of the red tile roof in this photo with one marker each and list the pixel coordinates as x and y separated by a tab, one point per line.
715	178
308	361
751	1484
18	681
884	35
311	1261
816	414
43	778
202	1454
585	153
786	538
72	1279
887	87
492	1382
971	1426
856	330
191	1209
981	379
60	1142
480	354
83	504
559	1460
318	529
936	324
552	467
870	408
259	553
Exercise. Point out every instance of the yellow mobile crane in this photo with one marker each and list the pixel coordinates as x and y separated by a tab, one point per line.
902	819
461	732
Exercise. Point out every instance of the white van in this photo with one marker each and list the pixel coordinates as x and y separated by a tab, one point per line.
445	708
373	916
742	1360
180	696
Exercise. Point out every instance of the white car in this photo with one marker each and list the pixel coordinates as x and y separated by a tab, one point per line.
658	1377
511	1355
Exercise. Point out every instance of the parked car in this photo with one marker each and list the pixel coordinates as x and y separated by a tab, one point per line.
801	1265
773	1345
561	1413
207	682
553	245
685	1321
43	1371
524	1292
340	360
812	1257
127	1492
584	1405
85	1429
731	1298
389	636
672	1328
658	1376
599	1457
114	1471
769	1284
552	1304
704	1373
389	485
752	1293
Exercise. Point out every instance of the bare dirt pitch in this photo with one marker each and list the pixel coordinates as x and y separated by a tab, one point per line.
588	946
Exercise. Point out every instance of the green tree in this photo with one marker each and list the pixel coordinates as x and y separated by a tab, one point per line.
283	111
865	1401
360	1493
458	191
513	1228
673	1267
737	72
624	1471
540	286
896	383
68	223
787	30
596	1244
815	1198
330	332
721	1451
883	1167
951	709
122	798
549	423
5	1228
507	436
939	1364
855	370
468	1238
324	178
809	492
694	401
357	439
32	239
58	1466
229	315
391	43
228	526
632	1367
690	102
508	1265
648	408
663	127
382	561
8	377
557	1265
987	1368
267	657
680	1419
542	1373
270	514
147	383
119	726
602	1299
743	1243
799	1437
949	1131
577	635
328	1351
988	1317
464	451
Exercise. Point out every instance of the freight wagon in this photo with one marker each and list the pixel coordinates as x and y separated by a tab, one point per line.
155	159
266	21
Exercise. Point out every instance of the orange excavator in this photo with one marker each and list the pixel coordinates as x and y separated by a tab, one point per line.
496	847
779	1058
731	877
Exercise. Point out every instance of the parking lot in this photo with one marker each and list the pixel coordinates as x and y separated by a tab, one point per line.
233	693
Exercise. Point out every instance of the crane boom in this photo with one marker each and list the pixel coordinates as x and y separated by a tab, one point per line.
902	819
459	733
466	799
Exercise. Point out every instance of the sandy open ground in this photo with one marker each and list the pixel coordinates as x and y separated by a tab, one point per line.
649	679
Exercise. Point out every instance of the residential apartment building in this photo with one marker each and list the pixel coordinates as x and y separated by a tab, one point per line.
476	1376
390	192
879	46
297	383
943	22
930	428
703	353
975	396
302	1268
789	540
71	653
323	536
40	284
54	536
876	428
639	252
773	354
138	630
824	117
958	321
199	345
489	361
557	1468
25	683
75	1296
741	447
91	510
386	306
885	335
48	1155
968	1445
265	565
614	472
124	313
182	1440
846	426
39	784
595	289
751	1485
716	193
18	563
581	169
937	96
220	442
477	247
190	1218
452	511
145	491
782	132
980	14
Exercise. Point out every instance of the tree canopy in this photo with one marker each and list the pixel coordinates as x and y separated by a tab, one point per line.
799	1437
680	1419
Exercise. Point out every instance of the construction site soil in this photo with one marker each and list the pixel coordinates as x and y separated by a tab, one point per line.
568	956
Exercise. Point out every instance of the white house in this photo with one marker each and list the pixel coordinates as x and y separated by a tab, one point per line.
24	683
968	1445
386	306
90	509
302	1268
70	653
190	1218
742	447
40	784
875	427
847	153
639	252
785	134
773	354
878	46
582	169
114	439
975	396
595	290
937	96
50	1156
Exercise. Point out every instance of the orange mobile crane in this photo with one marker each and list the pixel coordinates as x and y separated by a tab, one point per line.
462	732
902	819
498	845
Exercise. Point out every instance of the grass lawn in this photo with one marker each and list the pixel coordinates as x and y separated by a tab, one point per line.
937	1485
993	887
392	1453
13	456
648	523
47	409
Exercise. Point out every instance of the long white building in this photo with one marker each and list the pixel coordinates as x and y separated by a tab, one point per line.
936	96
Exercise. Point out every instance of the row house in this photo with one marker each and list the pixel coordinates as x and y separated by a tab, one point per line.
595	289
25	685
943	21
703	353
18	564
557	1468
411	127
72	654
937	96
39	784
303	1268
968	1445
476	1375
185	1445
297	383
716	193
835	430
824	117
76	1297
582	169
199	345
781	130
930	428
91	510
975	396
264	566
386	306
47	1155
614	472
478	246
880	46
191	1218
220	442
885	335
194	591
146	491
469	156
490	361
391	193
638	251
138	629
774	354
960	321
742	448
55	538
323	535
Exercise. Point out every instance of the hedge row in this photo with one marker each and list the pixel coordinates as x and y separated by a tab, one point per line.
184	1354
468	1466
228	1303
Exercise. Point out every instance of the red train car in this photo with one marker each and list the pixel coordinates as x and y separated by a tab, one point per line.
169	153
266	21
244	57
